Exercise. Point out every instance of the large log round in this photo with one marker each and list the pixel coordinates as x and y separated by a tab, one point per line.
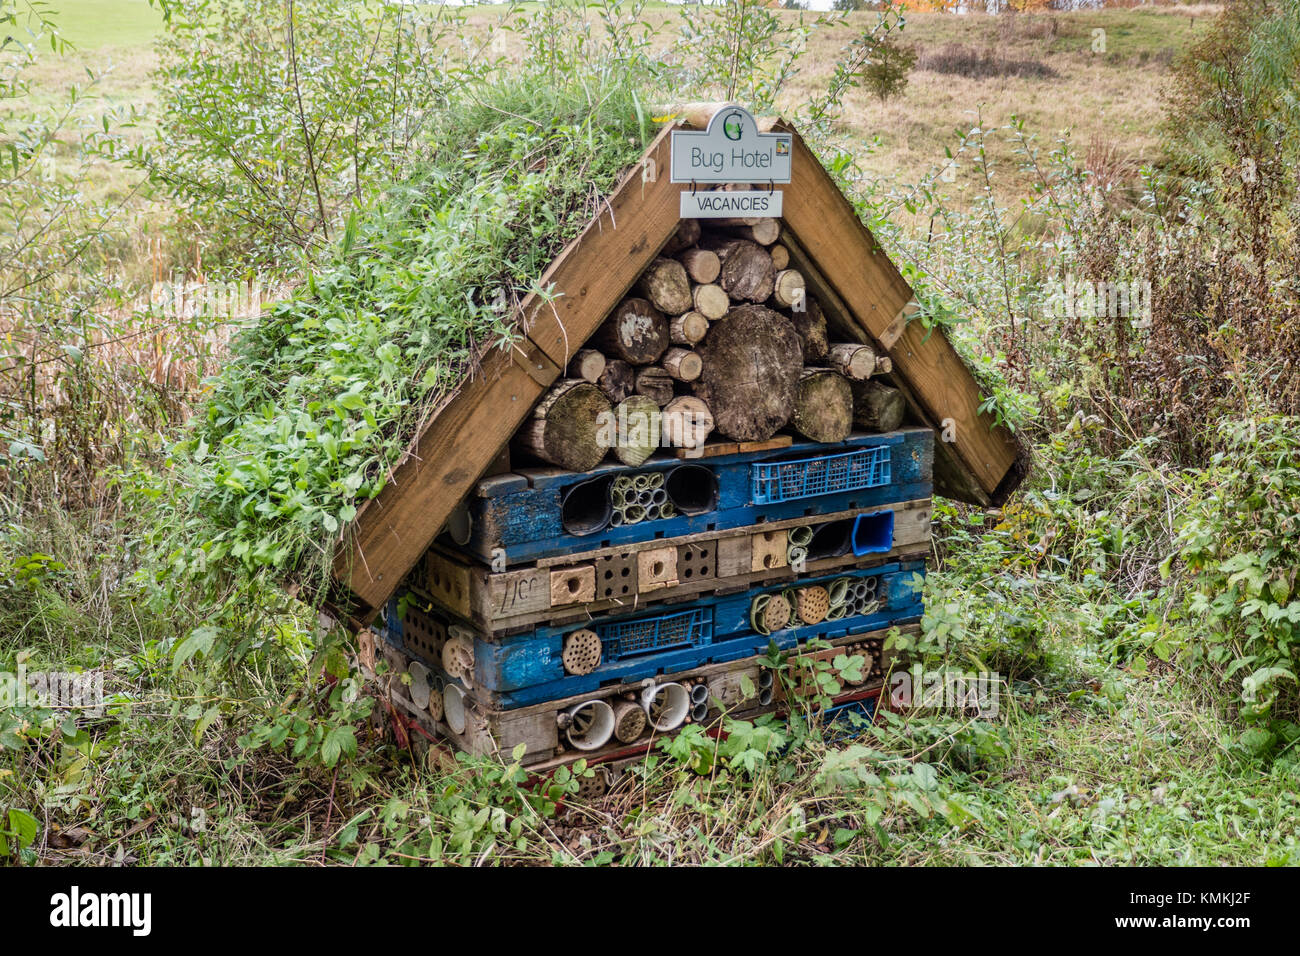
569	426
747	271
752	362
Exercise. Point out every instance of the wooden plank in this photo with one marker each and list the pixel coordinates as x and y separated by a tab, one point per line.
715	449
394	529
519	592
827	227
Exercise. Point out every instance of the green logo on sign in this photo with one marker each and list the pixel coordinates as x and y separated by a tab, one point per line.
732	125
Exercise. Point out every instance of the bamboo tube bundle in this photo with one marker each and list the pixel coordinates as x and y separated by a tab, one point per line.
638	498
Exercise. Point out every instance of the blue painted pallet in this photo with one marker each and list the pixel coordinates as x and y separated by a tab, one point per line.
533	514
847	721
527	669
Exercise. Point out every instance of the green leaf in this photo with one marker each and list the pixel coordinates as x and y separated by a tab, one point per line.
199	642
23	826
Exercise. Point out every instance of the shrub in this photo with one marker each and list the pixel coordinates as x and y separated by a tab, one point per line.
1241	545
962	60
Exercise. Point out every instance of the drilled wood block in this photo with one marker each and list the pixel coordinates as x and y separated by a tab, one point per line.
768	550
573	585
656	569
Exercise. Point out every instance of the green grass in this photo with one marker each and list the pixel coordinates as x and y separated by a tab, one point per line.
97	24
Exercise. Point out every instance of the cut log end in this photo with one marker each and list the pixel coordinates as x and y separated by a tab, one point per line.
711	301
568	426
689	328
853	360
588	365
635	332
655	383
878	407
823	405
752	361
667	286
682	364
637	427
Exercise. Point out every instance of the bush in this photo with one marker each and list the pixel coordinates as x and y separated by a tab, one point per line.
962	60
1241	545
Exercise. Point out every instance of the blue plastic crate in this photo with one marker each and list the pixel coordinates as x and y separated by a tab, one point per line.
775	481
621	639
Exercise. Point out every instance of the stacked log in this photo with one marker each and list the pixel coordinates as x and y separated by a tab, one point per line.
566	427
719	333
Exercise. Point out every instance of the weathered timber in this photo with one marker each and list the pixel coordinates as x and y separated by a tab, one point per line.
711	301
747	272
700	264
667	286
688	328
852	360
587	364
810	323
686	423
653	382
566	426
635	332
823	405
637	425
617	381
877	406
686	234
752	361
682	364
788	288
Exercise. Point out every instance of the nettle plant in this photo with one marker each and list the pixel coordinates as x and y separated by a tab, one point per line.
1241	544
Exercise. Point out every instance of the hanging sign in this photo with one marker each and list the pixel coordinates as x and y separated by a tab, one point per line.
731	150
720	204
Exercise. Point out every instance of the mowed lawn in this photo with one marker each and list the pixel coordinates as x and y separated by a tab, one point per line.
95	24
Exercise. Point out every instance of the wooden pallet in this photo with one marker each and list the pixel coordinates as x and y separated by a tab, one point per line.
645	573
521	517
736	688
529	669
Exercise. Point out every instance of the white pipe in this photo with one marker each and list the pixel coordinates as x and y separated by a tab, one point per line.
590	725
666	705
420	686
453	708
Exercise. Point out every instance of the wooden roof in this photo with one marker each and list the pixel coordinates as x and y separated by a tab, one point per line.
864	296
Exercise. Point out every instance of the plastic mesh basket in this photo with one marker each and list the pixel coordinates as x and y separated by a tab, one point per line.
683	629
806	477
